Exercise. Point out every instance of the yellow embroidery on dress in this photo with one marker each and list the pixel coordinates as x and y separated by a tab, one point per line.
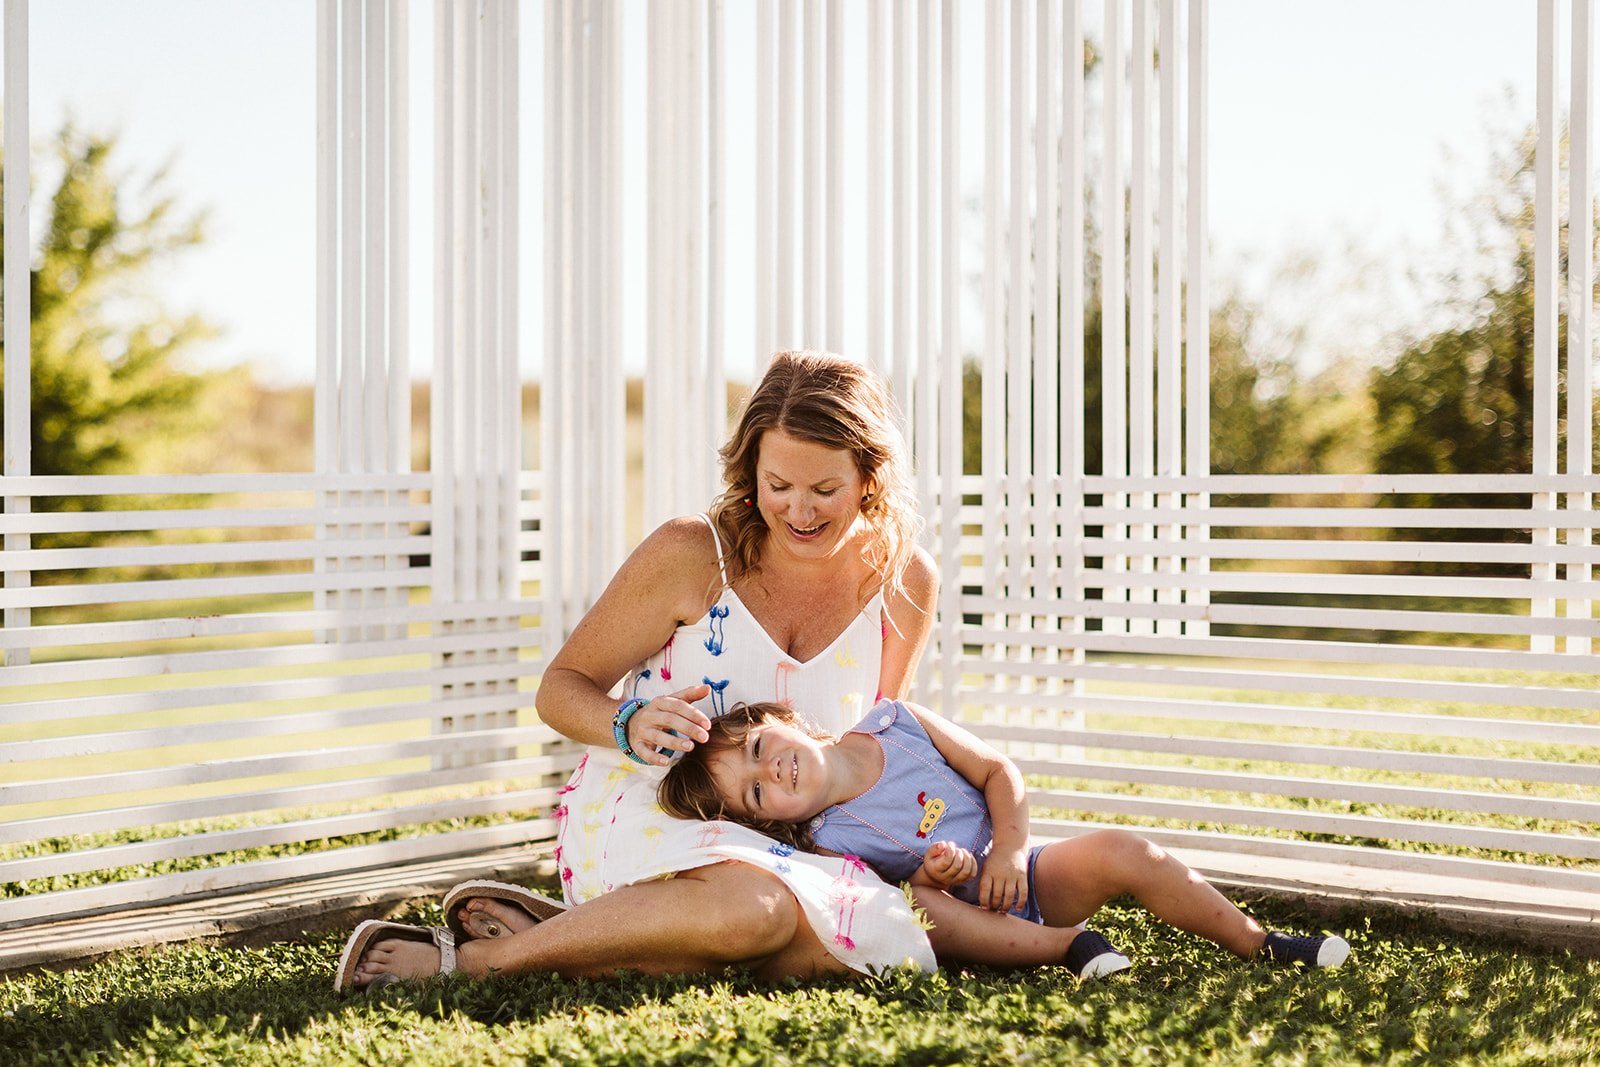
843	657
652	836
852	707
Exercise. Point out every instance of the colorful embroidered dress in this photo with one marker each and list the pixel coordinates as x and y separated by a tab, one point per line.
612	833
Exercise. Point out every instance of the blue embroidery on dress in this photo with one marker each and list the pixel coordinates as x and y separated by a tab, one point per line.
783	852
718	634
637	679
718	702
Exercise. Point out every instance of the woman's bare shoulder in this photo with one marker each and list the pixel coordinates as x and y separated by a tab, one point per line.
920	579
680	555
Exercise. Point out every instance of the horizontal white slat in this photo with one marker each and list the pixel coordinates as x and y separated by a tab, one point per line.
1295	682
1299	716
1336	550
322	793
1438	833
1369	585
222	587
1347	518
45	485
1393	760
457	674
37	906
107	857
1222	648
1485	870
39	522
455	743
1318	789
1446	622
1312	484
176	664
219	552
225	730
95	633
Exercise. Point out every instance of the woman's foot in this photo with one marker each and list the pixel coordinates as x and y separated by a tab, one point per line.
487	917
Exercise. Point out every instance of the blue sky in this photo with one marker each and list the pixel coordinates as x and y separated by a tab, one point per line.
1333	125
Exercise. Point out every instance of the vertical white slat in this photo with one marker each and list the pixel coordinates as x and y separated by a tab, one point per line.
1169	301
788	326
607	400
441	415
399	370
350	246
18	401
1070	343
1546	301
876	355
713	384
1048	543
608	222
510	282
925	384
553	408
1141	283
374	195
1020	574
693	213
900	269
1197	406
993	401
487	228
468	470
1114	296
812	223
950	406
1580	306
765	173
325	444
659	298
833	274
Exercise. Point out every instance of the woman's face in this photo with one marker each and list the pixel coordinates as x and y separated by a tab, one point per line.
809	495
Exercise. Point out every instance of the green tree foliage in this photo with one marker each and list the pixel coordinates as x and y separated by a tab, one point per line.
109	392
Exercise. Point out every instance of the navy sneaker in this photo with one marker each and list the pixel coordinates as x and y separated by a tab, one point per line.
1091	956
1328	951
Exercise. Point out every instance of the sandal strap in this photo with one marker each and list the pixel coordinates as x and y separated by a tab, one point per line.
445	938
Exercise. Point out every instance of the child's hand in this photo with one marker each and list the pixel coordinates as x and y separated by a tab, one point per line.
946	864
1004	885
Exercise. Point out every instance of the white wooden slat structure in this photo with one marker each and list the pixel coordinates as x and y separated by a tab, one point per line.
1284	666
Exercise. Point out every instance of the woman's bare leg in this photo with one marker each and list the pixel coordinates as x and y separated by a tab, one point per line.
730	914
1075	877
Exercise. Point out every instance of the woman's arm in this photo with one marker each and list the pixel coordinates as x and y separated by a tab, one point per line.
668	580
910	621
1004	884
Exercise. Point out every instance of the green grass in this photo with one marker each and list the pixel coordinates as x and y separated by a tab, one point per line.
1412	994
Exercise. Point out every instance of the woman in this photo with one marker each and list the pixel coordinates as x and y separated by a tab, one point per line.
804	585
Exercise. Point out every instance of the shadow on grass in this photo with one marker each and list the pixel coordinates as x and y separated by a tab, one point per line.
1413	993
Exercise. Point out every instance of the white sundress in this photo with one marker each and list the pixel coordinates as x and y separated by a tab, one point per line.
612	833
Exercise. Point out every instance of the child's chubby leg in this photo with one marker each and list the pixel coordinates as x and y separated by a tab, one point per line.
1075	877
966	933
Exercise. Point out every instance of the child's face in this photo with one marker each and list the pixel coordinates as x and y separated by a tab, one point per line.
781	774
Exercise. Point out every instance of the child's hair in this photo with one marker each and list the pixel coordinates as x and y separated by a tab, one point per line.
689	792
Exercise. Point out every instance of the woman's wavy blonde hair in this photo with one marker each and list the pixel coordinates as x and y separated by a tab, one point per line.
839	404
689	792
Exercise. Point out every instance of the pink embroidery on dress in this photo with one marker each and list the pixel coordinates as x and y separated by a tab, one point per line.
710	833
848	892
780	684
666	666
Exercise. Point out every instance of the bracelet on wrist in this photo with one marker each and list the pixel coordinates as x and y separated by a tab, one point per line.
619	728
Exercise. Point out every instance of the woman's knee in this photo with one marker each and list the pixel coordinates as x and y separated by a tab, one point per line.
754	912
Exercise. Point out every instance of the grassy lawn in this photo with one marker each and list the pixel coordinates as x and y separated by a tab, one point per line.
1412	993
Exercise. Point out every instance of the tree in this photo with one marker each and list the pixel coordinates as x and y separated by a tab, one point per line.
108	387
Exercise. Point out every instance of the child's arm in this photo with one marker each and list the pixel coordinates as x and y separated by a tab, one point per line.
1004	884
945	864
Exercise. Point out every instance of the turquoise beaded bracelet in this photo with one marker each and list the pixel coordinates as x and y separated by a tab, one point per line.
619	728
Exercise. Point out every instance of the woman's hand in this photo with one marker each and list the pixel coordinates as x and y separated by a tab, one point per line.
1004	885
946	864
669	722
